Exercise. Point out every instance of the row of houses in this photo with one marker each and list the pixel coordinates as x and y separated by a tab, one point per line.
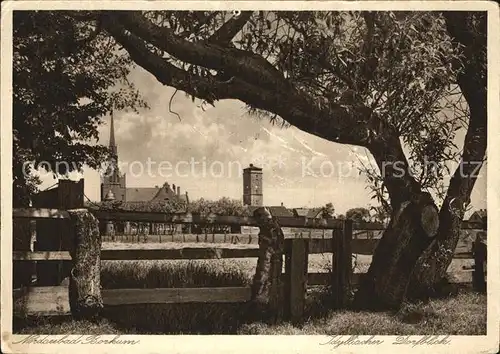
152	228
282	211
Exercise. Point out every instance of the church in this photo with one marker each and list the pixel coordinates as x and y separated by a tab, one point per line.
114	183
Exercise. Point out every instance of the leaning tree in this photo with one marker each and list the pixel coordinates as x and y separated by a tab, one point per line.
379	80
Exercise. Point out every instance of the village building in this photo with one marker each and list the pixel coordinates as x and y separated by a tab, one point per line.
311	213
478	216
252	186
116	182
114	188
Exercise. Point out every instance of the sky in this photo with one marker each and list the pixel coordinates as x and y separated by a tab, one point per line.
203	150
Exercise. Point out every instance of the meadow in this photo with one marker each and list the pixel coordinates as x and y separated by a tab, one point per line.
462	313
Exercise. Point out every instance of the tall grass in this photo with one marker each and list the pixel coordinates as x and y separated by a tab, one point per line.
464	314
196	318
173	274
176	318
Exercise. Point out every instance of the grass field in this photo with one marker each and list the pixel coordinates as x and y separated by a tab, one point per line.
462	314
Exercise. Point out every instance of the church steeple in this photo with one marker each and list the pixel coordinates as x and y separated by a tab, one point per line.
113	182
113	170
112	143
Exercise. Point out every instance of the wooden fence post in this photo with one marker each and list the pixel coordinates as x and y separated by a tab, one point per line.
85	298
342	265
296	261
267	287
110	230
56	235
21	241
479	247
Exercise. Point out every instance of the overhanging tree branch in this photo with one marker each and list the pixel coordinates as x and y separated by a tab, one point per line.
234	62
230	29
166	73
335	122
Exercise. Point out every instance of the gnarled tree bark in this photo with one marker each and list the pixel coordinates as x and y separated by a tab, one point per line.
267	283
432	265
413	225
85	296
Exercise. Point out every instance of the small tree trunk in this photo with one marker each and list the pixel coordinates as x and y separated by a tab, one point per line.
266	285
85	280
469	30
433	264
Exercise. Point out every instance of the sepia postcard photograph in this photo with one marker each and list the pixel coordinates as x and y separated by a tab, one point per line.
250	176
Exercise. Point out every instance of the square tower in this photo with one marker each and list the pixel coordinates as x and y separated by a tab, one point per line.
252	186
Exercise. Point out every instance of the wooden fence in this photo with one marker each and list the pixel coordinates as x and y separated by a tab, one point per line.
67	252
289	286
64	294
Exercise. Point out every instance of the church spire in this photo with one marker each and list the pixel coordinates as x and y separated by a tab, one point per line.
112	143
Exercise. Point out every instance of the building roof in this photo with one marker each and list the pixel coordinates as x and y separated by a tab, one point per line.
280	211
481	213
156	194
314	212
309	213
164	193
252	168
140	194
277	211
300	211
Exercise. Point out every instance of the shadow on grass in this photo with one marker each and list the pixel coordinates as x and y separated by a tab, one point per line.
460	314
193	318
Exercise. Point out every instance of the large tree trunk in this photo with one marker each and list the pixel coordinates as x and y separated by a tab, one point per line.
413	225
404	249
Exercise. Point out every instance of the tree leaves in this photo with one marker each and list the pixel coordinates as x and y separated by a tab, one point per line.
64	74
223	206
358	214
170	206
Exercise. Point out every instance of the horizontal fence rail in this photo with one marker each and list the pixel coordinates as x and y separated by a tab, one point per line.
317	246
54	300
40	213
